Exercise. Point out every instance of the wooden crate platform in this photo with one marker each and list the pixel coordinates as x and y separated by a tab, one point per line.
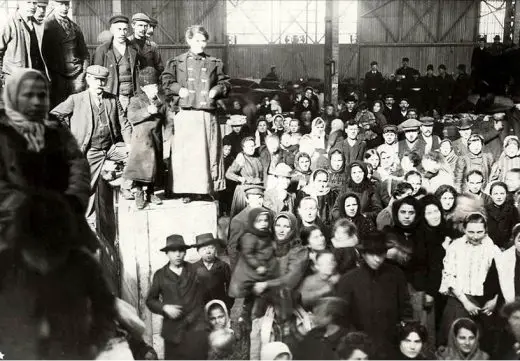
142	233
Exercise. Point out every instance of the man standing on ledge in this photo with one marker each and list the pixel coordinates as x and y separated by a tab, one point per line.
65	52
121	59
148	52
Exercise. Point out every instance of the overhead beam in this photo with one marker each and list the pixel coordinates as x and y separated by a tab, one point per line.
419	21
331	73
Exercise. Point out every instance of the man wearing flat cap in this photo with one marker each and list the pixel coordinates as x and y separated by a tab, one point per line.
65	52
278	199
21	41
431	141
41	10
96	120
121	59
178	294
411	142
148	53
151	30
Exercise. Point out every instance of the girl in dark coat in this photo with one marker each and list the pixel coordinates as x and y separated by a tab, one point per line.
502	215
359	184
350	209
408	250
433	230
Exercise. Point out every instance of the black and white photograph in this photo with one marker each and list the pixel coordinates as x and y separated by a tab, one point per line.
260	180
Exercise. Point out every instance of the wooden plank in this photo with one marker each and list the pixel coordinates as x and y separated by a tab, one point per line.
461	16
419	20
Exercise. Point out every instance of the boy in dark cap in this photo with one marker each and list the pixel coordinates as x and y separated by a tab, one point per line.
214	273
147	114
349	113
376	288
177	294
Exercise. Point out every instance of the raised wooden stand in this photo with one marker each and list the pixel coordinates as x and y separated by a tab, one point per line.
142	233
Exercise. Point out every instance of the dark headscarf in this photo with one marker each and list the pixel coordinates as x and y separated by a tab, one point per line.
252	217
365	183
343	199
418	212
431	199
342	169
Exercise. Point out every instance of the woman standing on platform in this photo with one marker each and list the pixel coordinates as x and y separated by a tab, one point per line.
194	81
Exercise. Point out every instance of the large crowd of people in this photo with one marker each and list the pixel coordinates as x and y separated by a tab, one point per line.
383	227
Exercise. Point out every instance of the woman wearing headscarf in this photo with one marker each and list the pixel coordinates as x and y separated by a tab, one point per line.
351	210
245	169
218	320
317	134
408	250
502	215
509	159
292	256
463	342
302	171
319	189
435	233
448	152
336	169
358	183
36	152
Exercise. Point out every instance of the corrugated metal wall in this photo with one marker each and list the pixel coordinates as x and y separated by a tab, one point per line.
388	31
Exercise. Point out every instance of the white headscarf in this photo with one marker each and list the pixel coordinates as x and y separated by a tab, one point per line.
33	132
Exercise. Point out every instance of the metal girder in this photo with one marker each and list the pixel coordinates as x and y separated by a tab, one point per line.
236	6
419	20
287	27
461	16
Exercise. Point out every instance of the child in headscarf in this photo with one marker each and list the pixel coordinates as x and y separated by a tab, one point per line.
275	351
302	171
318	133
463	342
228	340
256	262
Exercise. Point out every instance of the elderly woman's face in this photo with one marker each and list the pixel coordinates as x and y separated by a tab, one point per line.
33	99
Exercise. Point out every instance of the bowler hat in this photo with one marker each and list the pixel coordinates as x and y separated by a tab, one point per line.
236	120
175	242
207	239
141	17
464	124
406	59
497	37
118	19
429	67
97	71
374	243
282	170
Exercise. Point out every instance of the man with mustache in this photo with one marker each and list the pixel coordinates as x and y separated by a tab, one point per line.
148	52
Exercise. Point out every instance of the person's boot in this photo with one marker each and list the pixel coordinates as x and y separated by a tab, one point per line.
140	202
152	198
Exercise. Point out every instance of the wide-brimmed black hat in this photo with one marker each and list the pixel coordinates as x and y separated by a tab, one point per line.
374	243
207	239
175	242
